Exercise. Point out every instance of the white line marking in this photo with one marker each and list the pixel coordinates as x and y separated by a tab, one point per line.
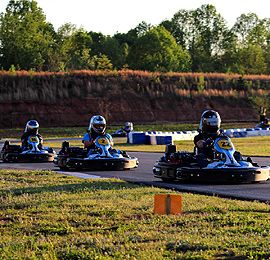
79	175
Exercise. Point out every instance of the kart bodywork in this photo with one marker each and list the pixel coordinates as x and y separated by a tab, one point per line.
102	158
224	168
33	153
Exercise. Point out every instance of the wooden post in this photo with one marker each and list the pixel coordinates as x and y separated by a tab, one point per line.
167	204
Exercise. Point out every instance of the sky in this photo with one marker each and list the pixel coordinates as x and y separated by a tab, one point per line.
111	16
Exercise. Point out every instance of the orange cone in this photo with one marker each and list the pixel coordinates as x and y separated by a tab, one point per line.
167	204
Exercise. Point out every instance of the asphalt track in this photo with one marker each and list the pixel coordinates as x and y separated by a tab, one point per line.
143	175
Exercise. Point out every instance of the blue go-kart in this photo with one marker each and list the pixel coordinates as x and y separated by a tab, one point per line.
227	166
103	157
34	152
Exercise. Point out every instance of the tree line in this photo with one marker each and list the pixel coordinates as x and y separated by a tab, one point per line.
196	40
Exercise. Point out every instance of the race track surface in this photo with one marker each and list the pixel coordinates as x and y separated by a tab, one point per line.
143	174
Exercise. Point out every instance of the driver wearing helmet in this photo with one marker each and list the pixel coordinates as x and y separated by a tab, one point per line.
31	129
128	127
97	127
209	130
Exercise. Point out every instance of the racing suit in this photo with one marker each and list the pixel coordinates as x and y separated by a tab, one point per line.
91	136
204	145
24	139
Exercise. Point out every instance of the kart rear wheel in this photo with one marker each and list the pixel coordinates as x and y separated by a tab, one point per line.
5	160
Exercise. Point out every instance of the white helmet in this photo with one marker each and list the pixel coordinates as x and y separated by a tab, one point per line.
128	126
32	126
98	124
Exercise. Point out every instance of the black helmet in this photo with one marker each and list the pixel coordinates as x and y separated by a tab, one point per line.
210	122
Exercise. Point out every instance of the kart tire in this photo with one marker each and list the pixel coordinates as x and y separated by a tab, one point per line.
5	160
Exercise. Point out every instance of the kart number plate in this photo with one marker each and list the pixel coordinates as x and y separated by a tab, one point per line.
33	139
225	144
103	141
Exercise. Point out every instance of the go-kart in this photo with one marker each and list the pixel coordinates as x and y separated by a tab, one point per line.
102	157
34	152
223	168
123	131
119	133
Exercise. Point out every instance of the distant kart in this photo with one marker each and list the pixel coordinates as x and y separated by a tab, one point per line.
102	158
123	131
224	168
119	133
33	153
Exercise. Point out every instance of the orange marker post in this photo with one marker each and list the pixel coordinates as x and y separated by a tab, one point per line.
168	204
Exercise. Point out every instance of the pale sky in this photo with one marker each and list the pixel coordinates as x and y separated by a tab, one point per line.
111	16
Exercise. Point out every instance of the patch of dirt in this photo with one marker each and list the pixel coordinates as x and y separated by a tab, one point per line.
118	109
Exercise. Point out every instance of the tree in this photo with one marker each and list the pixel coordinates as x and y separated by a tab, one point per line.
204	33
102	62
77	50
97	42
132	35
74	48
249	29
251	48
182	27
251	60
66	30
267	55
26	38
157	50
115	52
108	46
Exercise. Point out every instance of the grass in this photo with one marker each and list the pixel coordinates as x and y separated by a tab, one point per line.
44	215
255	146
56	132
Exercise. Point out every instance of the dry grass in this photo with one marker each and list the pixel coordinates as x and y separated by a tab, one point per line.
52	86
44	215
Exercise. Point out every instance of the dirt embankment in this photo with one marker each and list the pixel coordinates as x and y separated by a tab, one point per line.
71	99
118	109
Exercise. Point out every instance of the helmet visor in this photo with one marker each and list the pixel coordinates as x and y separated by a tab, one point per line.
212	121
99	128
211	125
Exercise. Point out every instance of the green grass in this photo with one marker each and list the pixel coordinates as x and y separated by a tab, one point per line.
44	215
255	146
54	132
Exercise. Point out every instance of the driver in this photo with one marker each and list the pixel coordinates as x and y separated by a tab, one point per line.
264	124
31	129
97	127
209	130
128	127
